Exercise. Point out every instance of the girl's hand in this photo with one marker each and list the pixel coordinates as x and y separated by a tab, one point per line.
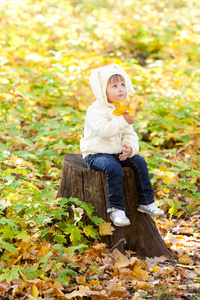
129	119
127	150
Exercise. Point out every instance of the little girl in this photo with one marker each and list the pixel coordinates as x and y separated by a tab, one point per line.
110	142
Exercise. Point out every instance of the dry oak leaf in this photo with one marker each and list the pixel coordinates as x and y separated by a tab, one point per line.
80	280
119	257
135	297
123	274
81	292
142	285
118	294
95	251
164	272
115	289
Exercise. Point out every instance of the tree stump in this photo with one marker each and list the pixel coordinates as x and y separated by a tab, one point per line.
90	186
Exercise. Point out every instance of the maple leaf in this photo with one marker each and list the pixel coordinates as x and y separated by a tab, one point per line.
185	259
7	232
124	107
23	235
121	108
94	282
106	229
89	231
9	274
139	273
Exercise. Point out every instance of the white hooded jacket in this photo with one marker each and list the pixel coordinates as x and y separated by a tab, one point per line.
103	131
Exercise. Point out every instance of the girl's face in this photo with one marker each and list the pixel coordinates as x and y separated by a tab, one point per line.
116	91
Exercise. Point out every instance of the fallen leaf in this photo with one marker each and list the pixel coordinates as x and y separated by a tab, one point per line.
83	291
185	259
80	280
106	229
94	282
43	252
164	272
156	268
140	274
35	291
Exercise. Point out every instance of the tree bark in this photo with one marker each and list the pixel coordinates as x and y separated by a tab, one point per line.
90	186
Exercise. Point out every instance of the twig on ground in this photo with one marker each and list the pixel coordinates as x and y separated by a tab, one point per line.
121	241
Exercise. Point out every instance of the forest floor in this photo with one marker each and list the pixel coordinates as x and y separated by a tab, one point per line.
47	51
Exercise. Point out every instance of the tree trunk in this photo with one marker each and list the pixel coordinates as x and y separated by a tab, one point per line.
90	186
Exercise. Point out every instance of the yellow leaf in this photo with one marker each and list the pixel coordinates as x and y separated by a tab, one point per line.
163	168
170	177
197	279
139	273
131	111
22	275
42	276
43	252
121	110
67	118
173	210
124	107
117	112
94	282
179	237
35	291
156	268
117	103
165	190
106	229
185	259
118	284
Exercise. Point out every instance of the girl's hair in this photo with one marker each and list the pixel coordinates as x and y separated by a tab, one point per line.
115	78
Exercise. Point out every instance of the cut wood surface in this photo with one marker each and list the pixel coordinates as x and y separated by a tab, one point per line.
90	186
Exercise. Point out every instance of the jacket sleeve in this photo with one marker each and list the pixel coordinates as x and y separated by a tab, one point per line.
97	120
130	138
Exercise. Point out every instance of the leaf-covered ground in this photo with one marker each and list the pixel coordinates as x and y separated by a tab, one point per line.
47	51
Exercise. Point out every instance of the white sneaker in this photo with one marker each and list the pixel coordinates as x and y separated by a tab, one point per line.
118	217
150	209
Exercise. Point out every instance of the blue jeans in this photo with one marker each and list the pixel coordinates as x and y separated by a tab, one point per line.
112	167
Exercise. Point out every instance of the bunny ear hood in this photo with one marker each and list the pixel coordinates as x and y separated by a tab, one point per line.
99	79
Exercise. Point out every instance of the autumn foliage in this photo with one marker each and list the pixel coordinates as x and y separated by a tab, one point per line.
123	107
47	51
